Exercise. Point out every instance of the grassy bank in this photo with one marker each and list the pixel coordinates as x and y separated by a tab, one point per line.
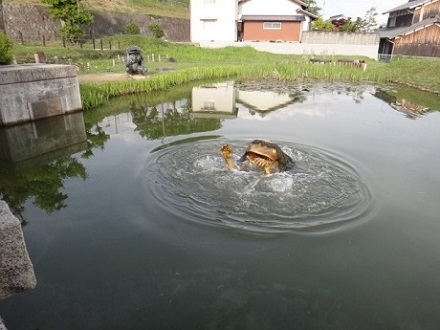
153	7
241	63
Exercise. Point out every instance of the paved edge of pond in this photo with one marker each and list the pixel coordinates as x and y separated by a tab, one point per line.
16	269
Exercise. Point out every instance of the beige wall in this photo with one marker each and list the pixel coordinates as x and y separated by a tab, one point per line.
290	31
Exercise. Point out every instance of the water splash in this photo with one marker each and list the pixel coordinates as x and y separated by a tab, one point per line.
193	182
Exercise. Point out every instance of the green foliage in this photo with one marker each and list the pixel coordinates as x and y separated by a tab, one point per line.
369	23
74	16
350	26
313	6
157	30
321	25
132	28
5	49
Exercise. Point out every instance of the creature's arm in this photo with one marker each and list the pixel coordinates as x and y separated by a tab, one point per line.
227	154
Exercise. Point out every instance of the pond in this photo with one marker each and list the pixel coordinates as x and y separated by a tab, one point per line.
133	220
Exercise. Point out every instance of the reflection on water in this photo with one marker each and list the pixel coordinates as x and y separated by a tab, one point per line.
145	220
42	139
414	103
214	101
35	159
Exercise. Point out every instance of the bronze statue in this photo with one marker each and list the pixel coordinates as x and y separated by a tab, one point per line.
259	155
134	61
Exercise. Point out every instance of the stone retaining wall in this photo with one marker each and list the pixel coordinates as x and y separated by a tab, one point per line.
31	22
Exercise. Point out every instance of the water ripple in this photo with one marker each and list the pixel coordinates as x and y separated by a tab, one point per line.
192	181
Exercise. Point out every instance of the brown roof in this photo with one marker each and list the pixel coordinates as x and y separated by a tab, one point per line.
272	18
297	1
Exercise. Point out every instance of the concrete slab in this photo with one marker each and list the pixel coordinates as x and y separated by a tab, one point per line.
16	269
2	325
32	91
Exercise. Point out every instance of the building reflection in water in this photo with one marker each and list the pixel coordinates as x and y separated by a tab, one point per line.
43	140
214	101
220	100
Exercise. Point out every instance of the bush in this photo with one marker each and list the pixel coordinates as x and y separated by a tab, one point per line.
157	30
5	49
132	28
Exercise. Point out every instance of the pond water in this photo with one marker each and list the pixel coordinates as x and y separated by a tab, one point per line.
133	221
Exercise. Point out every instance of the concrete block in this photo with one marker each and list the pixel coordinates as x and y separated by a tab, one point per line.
16	269
32	91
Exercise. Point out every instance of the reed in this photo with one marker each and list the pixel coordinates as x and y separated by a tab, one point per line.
96	94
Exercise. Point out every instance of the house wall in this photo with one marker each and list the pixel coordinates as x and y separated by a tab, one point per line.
290	31
272	7
426	11
213	21
425	42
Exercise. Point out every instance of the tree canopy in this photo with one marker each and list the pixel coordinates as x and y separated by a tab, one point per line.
74	16
313	6
366	24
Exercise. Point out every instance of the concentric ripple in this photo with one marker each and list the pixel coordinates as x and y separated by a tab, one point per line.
192	181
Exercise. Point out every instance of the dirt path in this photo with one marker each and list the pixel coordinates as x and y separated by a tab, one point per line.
107	77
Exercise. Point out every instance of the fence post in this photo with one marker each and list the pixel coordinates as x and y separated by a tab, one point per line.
110	44
64	42
102	47
44	40
21	37
94	44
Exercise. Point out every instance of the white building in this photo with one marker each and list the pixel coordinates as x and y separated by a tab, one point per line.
253	20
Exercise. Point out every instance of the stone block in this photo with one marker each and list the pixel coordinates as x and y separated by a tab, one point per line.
16	269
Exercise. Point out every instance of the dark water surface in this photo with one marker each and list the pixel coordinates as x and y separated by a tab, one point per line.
136	223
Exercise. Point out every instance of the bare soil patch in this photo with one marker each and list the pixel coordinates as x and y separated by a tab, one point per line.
107	77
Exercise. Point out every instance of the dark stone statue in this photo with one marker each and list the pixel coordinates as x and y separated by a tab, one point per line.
134	61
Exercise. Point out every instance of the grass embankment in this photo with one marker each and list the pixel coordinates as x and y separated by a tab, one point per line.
241	63
148	7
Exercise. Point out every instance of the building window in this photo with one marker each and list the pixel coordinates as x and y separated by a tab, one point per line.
272	25
392	22
209	24
209	105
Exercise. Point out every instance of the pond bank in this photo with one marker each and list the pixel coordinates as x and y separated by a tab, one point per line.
16	269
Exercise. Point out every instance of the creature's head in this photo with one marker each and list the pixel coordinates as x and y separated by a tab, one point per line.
265	154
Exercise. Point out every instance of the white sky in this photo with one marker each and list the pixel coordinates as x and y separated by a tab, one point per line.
355	8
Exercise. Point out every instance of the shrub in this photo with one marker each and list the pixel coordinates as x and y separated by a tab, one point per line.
157	30
132	28
5	49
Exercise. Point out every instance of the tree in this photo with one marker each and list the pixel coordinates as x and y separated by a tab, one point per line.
321	25
313	6
73	15
369	23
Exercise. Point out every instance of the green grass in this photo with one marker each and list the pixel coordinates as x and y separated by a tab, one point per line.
241	63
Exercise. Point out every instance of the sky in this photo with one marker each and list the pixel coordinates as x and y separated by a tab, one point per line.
357	8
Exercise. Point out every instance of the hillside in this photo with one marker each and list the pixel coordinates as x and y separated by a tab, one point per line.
153	7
